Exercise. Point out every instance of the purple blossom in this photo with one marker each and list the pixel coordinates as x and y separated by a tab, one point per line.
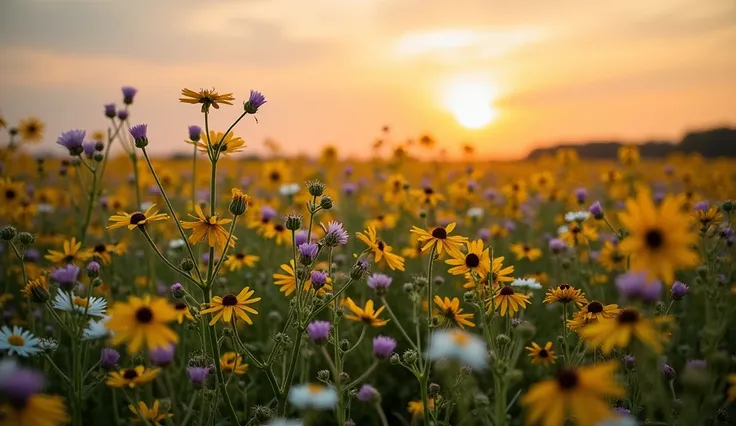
89	148
679	290
629	361
491	194
658	196
66	277
109	358
139	132
72	140
701	206
177	290
510	225
596	210
383	346
335	234
637	285
110	110
308	250
123	114
18	384
699	364
484	234
93	268
367	393
300	237
667	371
349	188
318	331
255	101
556	245
128	94
267	213
195	132
162	356
198	375
318	278
31	255
622	411
379	281
581	194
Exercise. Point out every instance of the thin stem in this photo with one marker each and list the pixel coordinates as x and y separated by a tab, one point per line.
227	246
289	377
166	261
213	201
330	300
190	409
398	324
364	375
90	206
22	264
381	414
57	369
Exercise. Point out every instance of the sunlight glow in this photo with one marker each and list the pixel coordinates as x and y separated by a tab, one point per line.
470	102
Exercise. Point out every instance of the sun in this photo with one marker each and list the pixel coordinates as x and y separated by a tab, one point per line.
470	102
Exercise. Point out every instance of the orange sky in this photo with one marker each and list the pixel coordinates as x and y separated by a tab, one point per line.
336	71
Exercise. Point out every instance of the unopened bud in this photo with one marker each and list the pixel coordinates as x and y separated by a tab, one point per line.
7	233
325	202
316	188
186	264
26	238
238	202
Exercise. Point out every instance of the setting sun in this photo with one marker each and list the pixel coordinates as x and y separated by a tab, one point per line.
470	103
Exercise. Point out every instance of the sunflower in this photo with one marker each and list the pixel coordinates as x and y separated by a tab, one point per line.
278	232
150	415
231	304
206	97
219	142
617	332
35	410
131	377
565	293
238	261
439	239
660	239
137	219
380	249
525	251
452	311
31	130
367	316
611	257
142	320
579	393
210	227
476	260
508	300
541	355
182	312
287	283
72	253
231	362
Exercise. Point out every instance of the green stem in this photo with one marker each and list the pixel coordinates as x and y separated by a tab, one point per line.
190	409
136	176
227	246
164	259
398	324
289	377
363	376
22	264
90	206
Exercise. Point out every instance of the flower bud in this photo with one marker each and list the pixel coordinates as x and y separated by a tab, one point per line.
410	357
98	157
26	238
514	376
394	359
138	132
186	264
40	291
325	202
99	146
323	375
239	202
359	269
177	290
316	188
93	269
434	390
344	377
7	233
344	344
293	222
728	206
96	282
468	296
502	340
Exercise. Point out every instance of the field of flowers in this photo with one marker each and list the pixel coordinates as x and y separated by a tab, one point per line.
214	290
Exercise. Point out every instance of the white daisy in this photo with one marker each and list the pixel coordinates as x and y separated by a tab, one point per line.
18	341
45	208
456	344
145	205
578	216
96	329
313	396
562	229
289	189
529	283
475	212
94	306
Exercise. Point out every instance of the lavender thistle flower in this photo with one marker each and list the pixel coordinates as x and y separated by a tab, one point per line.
557	246
93	269
110	110
18	384
596	210
307	252
318	278
128	94
267	213
72	140
66	277
139	135
123	114
702	206
668	372
177	290
195	133
581	194
383	346
198	375
335	234
109	358
162	356
637	285
300	237
318	331
679	290
379	283
89	148
255	101
367	393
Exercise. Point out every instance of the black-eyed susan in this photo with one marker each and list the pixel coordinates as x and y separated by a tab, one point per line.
238	261
276	173
153	415
541	355
660	239
31	130
72	252
277	232
611	257
287	282
416	408
136	219
578	234
565	293
382	221
104	252
452	312
37	290
232	306
439	238
475	260
231	362
628	155
209	227
131	377
576	393
427	197
507	300
35	410
217	142
142	321
618	332
596	310
707	215
182	312
381	250
526	251
367	315
206	97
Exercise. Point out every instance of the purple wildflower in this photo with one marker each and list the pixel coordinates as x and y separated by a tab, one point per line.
110	110
93	269
109	358
72	140
622	411
139	134
318	331
379	282
18	384
383	346
367	393
679	290
629	361
318	278
89	148
255	101
300	237
596	210
349	188
701	206
484	234
177	290
633	285
581	194
699	364
123	114
198	375
128	94
66	277
162	356
667	371
335	234
510	225
195	132
267	213
307	252
31	255
557	246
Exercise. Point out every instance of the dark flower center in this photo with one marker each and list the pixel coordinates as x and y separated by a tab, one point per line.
32	128
144	315
439	233
472	260
380	218
567	379
274	176
617	257
654	238
564	286
543	353
69	258
100	248
380	245
10	194
595	307
526	248
515	187
180	306
428	191
279	227
130	374
265	220
137	218
240	256
575	229
229	300
628	316
506	291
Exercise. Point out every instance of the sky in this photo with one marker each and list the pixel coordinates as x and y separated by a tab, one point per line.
504	76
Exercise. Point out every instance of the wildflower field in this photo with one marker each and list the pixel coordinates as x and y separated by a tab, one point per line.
217	290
